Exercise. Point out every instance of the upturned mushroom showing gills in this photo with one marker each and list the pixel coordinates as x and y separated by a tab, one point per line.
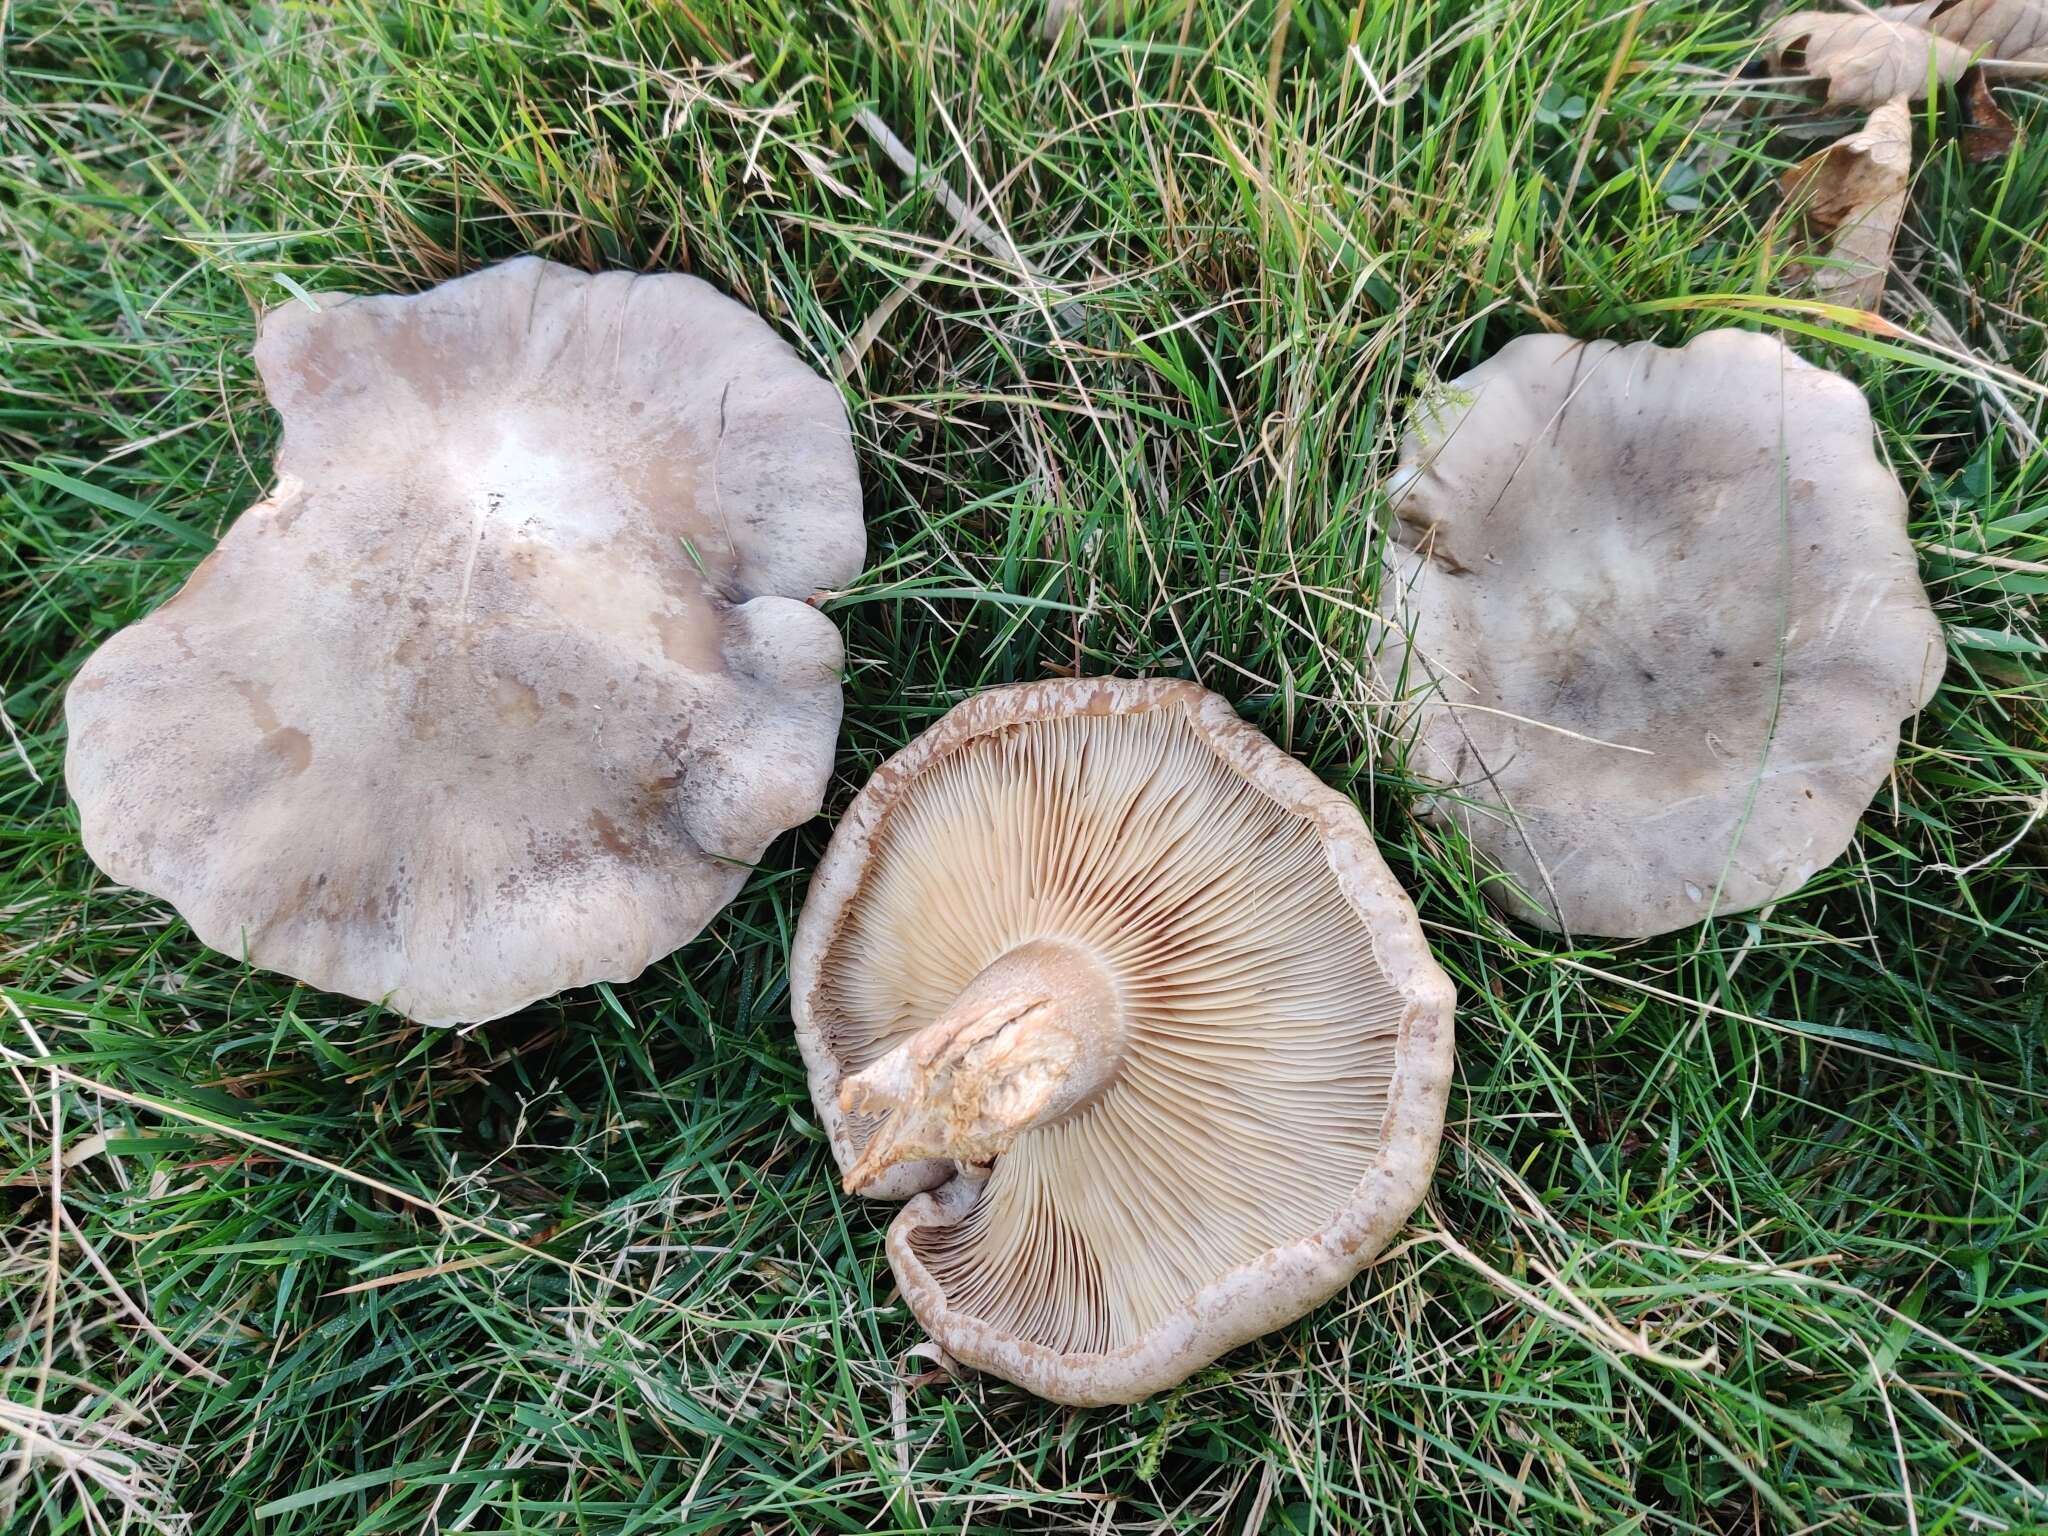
1654	622
511	677
1132	997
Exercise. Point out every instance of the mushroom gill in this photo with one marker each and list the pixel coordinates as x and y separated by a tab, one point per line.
1255	1029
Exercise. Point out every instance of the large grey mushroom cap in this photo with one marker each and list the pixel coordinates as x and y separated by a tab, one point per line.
1134	997
511	677
1655	622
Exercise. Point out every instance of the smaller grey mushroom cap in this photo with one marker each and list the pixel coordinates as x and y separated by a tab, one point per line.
1655	621
509	680
1133	997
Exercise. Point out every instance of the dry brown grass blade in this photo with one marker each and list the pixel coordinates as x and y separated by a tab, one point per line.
1853	194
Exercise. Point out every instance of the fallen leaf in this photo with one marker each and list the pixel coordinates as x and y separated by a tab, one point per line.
1086	15
1864	59
1057	14
1870	57
2009	37
1988	133
1853	193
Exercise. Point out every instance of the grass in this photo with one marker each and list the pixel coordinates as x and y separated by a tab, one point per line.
1744	1229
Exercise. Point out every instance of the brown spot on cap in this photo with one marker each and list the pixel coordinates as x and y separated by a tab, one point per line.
518	703
292	747
610	838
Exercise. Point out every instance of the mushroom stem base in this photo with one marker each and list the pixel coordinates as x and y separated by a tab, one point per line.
1035	1037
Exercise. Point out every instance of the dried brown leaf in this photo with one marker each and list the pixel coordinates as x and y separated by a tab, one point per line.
1867	58
1086	15
1853	194
1864	59
1988	133
2009	37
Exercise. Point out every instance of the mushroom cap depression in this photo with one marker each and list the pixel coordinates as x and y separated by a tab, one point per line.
1662	622
508	681
1139	993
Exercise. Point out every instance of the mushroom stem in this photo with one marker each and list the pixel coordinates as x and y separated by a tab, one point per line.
1037	1035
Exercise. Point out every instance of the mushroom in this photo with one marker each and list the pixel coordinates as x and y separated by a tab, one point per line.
1132	997
510	679
1655	623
